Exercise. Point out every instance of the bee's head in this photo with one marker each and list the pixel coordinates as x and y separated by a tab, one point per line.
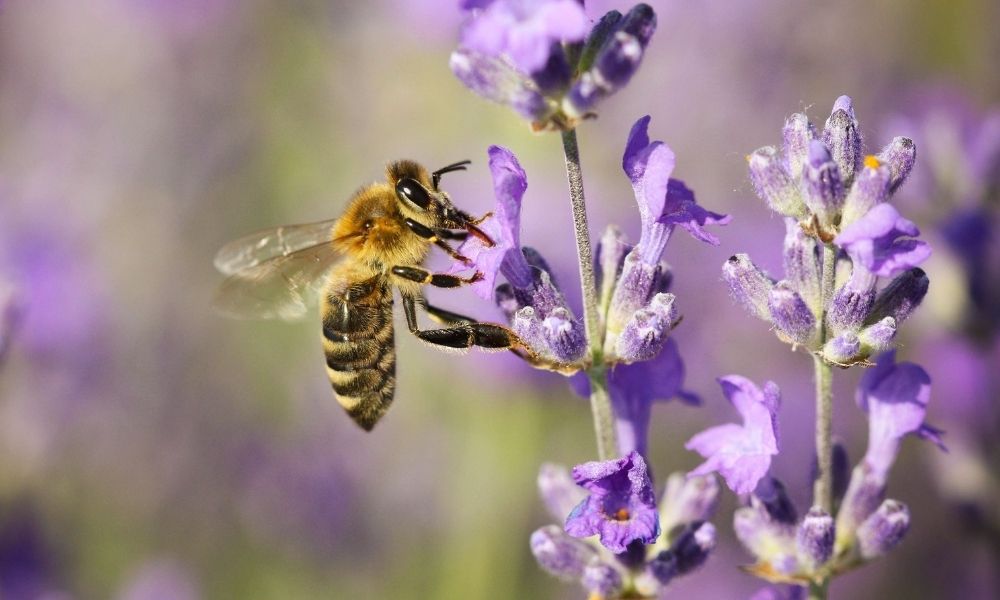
421	199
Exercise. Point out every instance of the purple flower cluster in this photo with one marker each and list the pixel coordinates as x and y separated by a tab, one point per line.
829	193
543	59
530	299
642	365
636	309
639	547
867	525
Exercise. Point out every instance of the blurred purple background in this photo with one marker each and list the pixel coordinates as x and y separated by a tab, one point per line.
152	450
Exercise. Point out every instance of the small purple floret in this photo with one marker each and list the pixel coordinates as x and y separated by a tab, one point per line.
621	508
874	243
742	453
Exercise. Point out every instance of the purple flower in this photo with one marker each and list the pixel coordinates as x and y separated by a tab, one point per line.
873	242
610	57
895	397
533	304
741	453
664	203
621	508
561	555
524	30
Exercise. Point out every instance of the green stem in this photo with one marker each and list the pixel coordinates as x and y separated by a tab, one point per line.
823	374
823	488
600	401
819	591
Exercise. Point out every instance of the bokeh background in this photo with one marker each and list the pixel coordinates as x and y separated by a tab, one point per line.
152	450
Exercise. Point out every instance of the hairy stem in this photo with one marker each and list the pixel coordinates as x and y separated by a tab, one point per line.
600	401
823	374
823	488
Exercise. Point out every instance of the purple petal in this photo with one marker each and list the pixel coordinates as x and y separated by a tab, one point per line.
621	507
509	185
741	454
681	209
872	242
895	397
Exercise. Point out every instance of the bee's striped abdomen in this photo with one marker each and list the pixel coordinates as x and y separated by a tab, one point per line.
360	353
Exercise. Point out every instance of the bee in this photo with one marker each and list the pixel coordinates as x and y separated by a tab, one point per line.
353	263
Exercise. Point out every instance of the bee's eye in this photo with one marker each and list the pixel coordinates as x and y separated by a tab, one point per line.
409	190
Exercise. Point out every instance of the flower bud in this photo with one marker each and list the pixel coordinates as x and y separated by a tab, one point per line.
814	539
558	490
632	291
564	336
901	297
561	555
845	349
822	186
770	495
749	285
773	183
553	78
842	136
766	539
791	315
877	338
688	552
884	529
802	264
688	499
870	187
899	155
864	494
599	35
852	303
797	133
609	256
615	62
647	330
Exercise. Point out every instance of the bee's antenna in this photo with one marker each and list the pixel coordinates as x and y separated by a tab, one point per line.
459	166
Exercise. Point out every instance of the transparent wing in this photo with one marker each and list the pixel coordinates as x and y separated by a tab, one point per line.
261	246
282	287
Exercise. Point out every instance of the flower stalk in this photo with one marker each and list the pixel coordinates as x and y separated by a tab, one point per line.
600	400
823	488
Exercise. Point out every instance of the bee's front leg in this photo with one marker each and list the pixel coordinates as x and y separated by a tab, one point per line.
438	237
442	280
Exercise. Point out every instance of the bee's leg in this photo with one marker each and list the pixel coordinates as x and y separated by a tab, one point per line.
437	238
445	317
448	234
465	334
442	280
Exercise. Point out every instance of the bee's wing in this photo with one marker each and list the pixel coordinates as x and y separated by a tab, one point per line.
261	246
281	287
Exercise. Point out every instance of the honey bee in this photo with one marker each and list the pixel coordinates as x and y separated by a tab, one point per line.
353	263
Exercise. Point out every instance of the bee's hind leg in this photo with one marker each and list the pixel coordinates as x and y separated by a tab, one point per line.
464	332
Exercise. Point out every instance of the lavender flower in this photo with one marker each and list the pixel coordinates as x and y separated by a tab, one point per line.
621	508
741	453
533	304
616	518
833	198
867	525
895	396
543	60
